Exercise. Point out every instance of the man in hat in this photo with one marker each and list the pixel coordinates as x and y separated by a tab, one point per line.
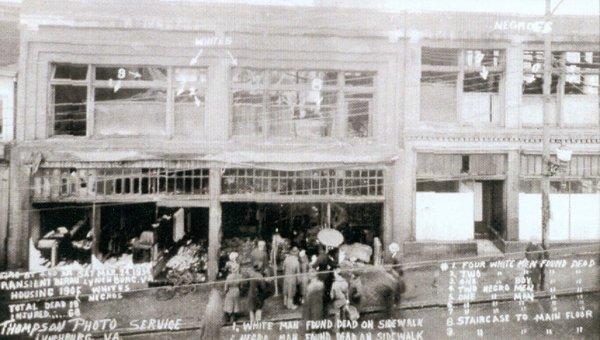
391	258
291	269
259	256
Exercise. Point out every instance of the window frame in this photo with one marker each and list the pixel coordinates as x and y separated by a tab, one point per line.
91	84
339	118
559	71
460	69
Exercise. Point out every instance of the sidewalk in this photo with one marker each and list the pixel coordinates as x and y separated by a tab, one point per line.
427	285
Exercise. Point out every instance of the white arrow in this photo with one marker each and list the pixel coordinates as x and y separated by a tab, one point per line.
233	60
194	60
135	74
117	86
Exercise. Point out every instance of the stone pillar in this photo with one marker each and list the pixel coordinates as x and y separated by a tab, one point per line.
513	83
404	195
512	196
412	81
214	223
20	206
216	119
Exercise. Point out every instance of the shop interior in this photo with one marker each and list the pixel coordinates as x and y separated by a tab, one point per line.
64	234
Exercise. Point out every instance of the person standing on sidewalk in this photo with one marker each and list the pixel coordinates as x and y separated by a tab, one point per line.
231	305
313	300
304	267
291	269
257	293
339	296
260	258
212	321
535	253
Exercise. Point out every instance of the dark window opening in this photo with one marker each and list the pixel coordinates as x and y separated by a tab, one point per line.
465	165
69	105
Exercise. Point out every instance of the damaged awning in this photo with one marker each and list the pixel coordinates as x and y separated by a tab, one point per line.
276	158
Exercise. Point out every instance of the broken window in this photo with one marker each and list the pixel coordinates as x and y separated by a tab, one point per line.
189	87
581	72
130	100
442	87
298	103
367	182
468	80
68	99
533	72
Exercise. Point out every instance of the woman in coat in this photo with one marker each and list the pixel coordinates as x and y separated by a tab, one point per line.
212	322
231	305
291	269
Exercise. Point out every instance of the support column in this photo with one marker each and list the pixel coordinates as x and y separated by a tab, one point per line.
412	81
512	93
512	196
214	223
95	224
217	119
4	190
388	205
404	196
20	207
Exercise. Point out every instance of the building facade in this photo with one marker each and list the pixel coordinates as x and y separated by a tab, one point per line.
418	129
9	51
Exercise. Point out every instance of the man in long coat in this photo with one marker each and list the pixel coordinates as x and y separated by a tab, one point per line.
291	269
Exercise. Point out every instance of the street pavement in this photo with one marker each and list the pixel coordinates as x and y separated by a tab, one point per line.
434	323
427	285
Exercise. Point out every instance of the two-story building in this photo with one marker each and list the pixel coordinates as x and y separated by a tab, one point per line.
9	53
422	129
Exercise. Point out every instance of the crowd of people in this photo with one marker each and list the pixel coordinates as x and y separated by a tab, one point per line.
318	284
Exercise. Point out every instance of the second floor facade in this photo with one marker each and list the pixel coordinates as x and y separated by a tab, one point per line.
217	74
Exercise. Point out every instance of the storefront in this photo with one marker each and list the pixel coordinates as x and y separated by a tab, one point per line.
170	214
574	199
460	197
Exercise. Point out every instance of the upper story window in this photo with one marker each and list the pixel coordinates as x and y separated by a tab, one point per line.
574	80
301	103
126	100
69	99
581	72
130	100
533	72
465	84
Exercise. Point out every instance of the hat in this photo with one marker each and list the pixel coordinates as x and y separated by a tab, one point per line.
394	247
